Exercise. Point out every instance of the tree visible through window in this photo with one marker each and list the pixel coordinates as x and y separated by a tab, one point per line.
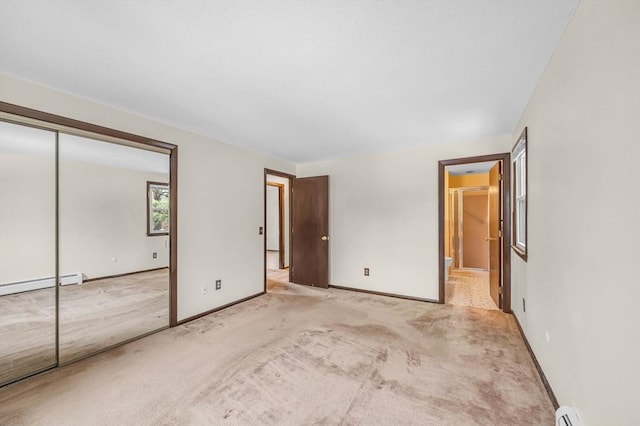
157	208
519	160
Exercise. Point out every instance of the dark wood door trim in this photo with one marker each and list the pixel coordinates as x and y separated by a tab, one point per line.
173	237
280	223
277	173
506	225
289	177
172	149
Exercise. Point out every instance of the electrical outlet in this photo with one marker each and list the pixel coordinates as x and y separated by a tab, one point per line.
155	255
366	272
205	290
547	335
218	284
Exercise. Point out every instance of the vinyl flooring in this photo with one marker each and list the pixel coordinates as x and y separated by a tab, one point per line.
469	288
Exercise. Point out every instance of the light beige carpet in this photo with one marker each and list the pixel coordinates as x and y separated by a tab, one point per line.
300	355
277	279
93	316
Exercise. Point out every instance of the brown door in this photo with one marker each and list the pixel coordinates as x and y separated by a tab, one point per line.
310	231
455	252
475	253
495	239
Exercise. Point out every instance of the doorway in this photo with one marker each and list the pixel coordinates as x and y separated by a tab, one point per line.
474	232
296	231
277	202
277	237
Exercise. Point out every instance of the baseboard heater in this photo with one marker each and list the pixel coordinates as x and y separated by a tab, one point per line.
37	284
567	416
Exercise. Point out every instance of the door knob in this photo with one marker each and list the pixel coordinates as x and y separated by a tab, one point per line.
325	238
490	239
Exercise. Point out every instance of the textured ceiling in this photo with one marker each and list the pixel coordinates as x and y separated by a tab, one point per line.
303	81
32	142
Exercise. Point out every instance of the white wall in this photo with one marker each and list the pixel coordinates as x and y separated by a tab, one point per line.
285	182
27	222
220	197
103	208
273	218
102	217
103	220
581	281
383	215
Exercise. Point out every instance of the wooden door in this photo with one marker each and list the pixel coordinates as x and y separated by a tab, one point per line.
475	217
310	231
495	237
455	252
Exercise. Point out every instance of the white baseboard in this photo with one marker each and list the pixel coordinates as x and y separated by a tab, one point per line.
37	284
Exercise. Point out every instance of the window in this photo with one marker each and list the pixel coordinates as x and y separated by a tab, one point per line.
519	161
157	208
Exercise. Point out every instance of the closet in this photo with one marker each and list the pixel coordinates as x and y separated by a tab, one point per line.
84	244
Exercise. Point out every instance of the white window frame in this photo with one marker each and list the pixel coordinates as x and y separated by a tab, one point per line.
520	200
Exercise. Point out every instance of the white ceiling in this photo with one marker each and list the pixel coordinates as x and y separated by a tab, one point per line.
471	168
303	81
29	141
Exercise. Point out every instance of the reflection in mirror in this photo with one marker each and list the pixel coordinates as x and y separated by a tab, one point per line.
27	251
118	286
157	208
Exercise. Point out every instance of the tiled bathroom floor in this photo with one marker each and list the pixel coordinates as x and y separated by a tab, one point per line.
469	288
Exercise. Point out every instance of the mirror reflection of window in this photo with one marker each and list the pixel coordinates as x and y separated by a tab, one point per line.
97	282
158	210
121	289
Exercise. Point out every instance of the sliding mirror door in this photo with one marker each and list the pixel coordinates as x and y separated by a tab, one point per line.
27	250
114	244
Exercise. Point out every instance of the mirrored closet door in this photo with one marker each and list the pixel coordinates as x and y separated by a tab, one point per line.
27	250
114	244
84	245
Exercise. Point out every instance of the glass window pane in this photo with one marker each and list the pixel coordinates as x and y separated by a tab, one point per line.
158	208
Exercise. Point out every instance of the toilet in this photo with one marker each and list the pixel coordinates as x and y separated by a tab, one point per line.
447	265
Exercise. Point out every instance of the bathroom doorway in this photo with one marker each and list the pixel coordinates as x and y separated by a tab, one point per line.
474	232
468	222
